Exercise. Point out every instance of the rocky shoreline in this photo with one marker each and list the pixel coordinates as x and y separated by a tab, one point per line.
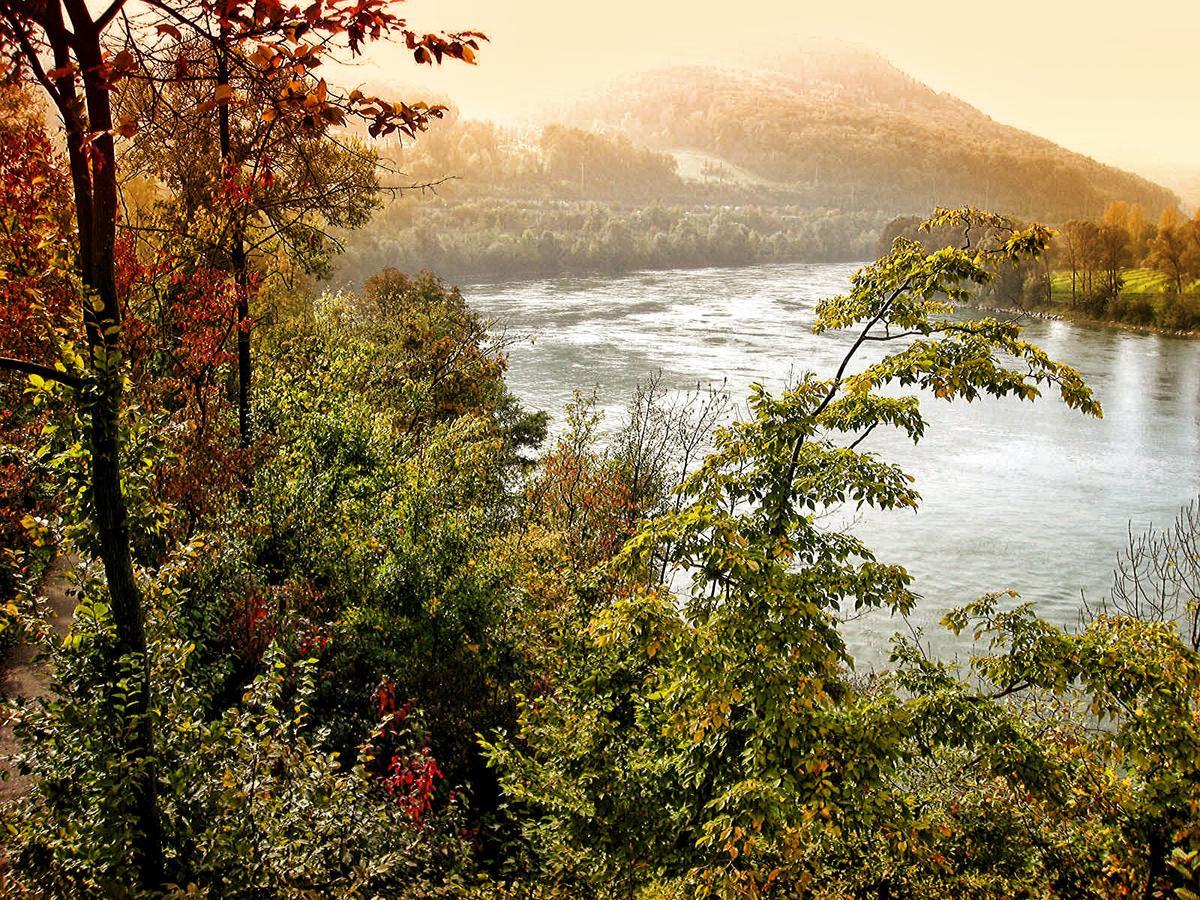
1088	320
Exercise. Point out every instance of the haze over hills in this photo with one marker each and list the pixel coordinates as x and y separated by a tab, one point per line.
844	128
806	158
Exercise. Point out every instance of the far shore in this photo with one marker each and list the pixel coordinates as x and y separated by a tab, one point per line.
1078	318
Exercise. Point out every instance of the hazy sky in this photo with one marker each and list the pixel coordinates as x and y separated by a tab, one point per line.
1120	82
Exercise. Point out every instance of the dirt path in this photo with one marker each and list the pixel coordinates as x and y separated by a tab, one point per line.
25	676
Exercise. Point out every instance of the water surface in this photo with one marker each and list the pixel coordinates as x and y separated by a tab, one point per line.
1034	498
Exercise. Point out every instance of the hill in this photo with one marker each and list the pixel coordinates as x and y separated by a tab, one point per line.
843	128
807	159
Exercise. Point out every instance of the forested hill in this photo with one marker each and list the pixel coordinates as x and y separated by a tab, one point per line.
845	129
806	159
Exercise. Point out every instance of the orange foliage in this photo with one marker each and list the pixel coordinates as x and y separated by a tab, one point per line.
587	500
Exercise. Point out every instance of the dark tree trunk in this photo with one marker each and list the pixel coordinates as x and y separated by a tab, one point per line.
245	366
96	219
1156	864
238	261
125	598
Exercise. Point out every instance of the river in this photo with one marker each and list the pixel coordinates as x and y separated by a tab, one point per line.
1033	498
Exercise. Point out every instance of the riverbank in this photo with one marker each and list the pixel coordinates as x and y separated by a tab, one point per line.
1077	317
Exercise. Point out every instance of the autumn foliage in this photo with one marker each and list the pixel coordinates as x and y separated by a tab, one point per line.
37	296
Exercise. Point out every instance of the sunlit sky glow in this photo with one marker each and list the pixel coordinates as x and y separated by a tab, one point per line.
1120	82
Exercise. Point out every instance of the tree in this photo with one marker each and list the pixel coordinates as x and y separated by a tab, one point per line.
1191	231
1088	235
1070	246
71	50
1169	253
1157	578
245	180
1135	675
72	36
1113	255
719	739
1116	214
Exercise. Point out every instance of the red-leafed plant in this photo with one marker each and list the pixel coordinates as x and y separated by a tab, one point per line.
252	627
36	299
406	766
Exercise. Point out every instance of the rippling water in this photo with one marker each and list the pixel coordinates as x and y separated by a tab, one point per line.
1029	497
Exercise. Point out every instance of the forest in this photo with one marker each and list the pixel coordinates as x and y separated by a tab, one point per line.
490	203
347	618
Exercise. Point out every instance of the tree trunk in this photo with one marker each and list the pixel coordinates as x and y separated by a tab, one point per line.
245	367
238	260
111	520
97	220
1156	864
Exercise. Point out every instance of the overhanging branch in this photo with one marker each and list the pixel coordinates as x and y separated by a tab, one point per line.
46	372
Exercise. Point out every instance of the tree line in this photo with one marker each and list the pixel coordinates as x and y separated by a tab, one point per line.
493	237
1096	256
1122	267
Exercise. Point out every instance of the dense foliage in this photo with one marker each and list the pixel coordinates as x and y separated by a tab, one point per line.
497	238
35	295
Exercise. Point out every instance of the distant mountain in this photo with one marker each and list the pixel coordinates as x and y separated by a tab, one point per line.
843	128
808	158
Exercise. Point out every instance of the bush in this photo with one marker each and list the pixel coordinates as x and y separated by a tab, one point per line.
1137	309
251	803
1035	292
1096	302
1180	312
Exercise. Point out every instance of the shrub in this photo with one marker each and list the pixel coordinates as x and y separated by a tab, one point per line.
1180	312
1096	302
251	804
1137	309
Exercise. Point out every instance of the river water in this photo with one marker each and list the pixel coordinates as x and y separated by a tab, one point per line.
1033	498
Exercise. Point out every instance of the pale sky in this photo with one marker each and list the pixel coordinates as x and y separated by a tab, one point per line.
1117	81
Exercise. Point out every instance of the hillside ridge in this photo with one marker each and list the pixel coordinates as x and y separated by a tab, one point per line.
842	126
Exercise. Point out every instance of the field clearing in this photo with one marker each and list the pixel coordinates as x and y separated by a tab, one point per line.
1140	282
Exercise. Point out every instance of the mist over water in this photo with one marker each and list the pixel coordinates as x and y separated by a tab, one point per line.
1033	498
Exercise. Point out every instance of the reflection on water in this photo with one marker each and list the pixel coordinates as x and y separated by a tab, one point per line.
1029	497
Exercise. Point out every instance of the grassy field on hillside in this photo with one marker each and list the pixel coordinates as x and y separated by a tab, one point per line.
1138	282
1145	301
